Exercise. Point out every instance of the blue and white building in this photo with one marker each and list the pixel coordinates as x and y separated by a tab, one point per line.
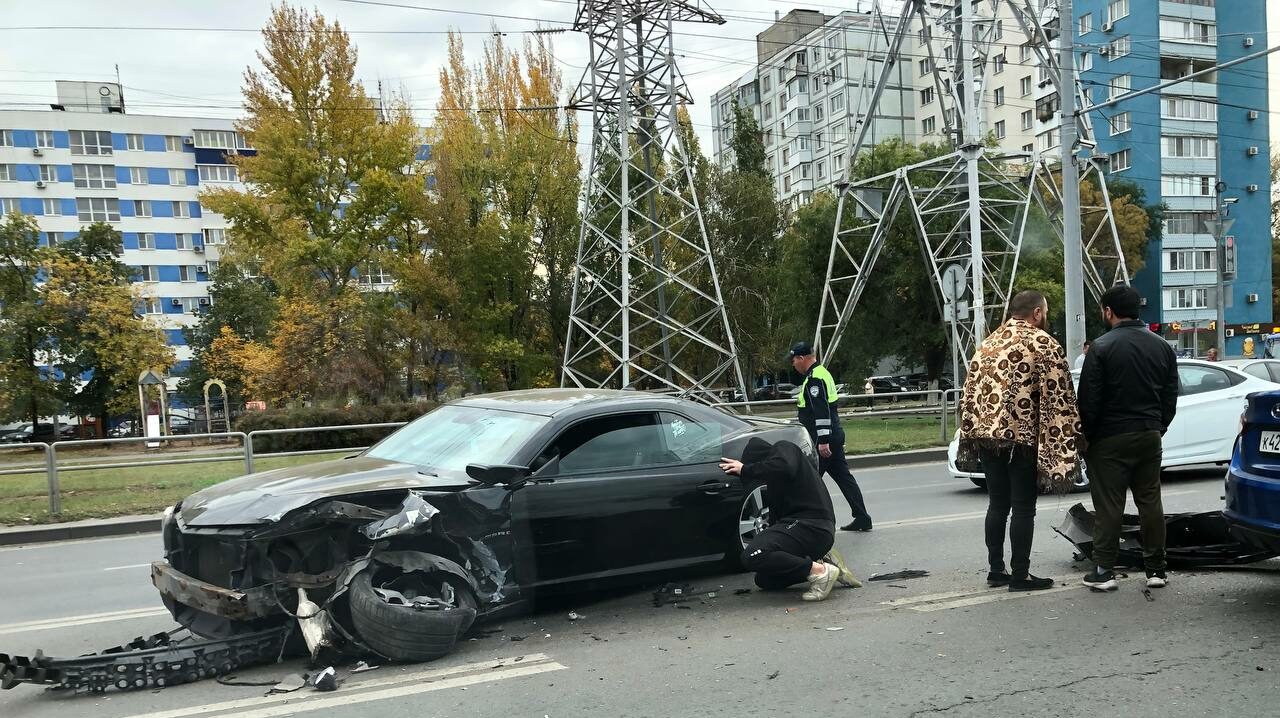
1178	143
85	160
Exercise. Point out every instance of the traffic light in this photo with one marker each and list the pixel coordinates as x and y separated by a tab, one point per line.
1228	258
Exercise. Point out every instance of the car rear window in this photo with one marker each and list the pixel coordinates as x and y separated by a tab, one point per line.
451	437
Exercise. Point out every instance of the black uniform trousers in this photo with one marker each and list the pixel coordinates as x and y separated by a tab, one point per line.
783	554
1011	487
837	467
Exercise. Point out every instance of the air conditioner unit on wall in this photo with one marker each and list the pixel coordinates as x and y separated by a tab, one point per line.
176	302
204	301
1230	333
37	152
1252	188
188	140
198	248
1107	27
1250	298
1253	114
1253	151
39	184
202	269
1248	42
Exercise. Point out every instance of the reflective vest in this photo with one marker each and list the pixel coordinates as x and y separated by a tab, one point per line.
821	374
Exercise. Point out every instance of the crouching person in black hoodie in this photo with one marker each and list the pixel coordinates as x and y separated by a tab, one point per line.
797	545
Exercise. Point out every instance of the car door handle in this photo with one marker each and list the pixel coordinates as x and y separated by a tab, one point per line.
713	487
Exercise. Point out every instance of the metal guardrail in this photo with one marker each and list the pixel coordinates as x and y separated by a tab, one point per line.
245	454
947	401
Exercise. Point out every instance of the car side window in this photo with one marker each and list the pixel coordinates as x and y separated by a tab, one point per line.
1196	379
1259	370
620	441
1275	371
692	442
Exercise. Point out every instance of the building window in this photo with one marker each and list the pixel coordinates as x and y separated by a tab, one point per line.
998	32
1000	131
1086	61
1117	9
822	169
215	236
1028	148
833	44
928	125
178	178
190	305
837	102
805	170
1120	161
1189	31
1026	119
1186	298
138	175
133	142
1202	147
54	238
1024	86
926	96
786	156
6	138
372	274
90	142
212	266
817	141
1178	108
1048	140
1120	123
142	208
149	273
1119	47
1186	186
818	110
764	83
182	241
94	176
999	96
998	61
1187	222
926	66
1024	53
98	209
172	143
152	305
186	274
221	139
8	172
1086	24
48	173
51	207
146	240
181	210
1190	260
218	173
9	205
786	183
1119	86
768	110
44	139
837	166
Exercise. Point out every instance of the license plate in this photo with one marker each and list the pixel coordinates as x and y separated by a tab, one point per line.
1270	442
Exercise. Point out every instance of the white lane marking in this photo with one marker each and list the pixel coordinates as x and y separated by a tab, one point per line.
83	620
363	691
35	545
938	519
910	488
990	597
926	598
132	565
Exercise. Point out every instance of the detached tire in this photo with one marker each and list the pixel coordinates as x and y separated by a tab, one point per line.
403	633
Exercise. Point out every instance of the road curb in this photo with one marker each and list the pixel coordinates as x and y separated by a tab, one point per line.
72	530
126	525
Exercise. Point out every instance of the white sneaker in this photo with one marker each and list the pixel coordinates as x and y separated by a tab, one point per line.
846	577
820	586
1157	579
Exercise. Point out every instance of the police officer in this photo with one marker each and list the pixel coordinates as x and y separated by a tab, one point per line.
817	407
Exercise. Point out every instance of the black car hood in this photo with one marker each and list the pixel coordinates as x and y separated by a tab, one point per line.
267	496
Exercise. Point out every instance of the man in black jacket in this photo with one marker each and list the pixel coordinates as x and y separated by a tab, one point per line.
1128	395
797	545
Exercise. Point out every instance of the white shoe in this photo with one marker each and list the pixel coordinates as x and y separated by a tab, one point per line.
1157	579
820	586
846	577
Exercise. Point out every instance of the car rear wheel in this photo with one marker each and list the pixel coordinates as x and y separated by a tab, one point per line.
753	517
414	616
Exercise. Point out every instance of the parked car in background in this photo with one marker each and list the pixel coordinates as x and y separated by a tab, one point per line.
1268	369
179	424
887	385
1210	399
28	433
1253	481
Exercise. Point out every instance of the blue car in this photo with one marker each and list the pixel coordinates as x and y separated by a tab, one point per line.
1253	482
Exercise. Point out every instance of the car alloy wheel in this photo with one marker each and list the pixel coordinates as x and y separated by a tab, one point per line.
753	516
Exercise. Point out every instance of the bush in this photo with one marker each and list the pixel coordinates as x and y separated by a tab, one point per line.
326	416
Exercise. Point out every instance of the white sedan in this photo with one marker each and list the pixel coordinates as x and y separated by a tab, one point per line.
1211	398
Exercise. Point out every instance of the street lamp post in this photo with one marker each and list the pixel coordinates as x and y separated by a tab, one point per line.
1219	226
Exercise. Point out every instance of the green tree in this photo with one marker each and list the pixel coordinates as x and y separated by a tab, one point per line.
244	304
25	391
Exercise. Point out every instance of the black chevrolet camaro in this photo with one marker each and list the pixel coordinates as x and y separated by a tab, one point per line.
465	513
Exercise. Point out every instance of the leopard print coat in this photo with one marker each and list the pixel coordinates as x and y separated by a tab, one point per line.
1019	392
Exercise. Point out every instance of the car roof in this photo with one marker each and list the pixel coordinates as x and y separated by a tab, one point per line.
552	402
1246	362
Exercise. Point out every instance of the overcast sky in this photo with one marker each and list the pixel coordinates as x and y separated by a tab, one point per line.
196	67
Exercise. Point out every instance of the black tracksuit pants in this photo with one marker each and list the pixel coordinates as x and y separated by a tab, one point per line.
783	554
837	467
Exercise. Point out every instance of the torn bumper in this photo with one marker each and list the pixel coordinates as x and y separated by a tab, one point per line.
1192	540
234	604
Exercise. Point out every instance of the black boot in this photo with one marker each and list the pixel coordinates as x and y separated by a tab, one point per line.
861	523
996	579
1027	582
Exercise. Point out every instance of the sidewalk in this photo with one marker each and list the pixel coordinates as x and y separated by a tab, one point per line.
125	525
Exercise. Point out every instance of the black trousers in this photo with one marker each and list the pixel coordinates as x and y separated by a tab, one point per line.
1120	463
1011	486
783	554
837	467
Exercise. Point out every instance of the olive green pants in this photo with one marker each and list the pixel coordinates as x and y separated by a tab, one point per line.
1117	464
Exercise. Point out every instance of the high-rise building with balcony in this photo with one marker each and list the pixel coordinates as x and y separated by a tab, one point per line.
1190	145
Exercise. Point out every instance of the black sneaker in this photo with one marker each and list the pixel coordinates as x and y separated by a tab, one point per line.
862	523
1029	583
1157	579
1101	580
996	579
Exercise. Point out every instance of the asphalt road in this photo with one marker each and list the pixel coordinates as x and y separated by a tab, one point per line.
943	644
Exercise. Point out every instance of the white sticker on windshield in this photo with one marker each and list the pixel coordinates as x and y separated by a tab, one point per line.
678	428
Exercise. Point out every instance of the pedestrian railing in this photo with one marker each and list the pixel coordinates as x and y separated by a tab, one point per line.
934	402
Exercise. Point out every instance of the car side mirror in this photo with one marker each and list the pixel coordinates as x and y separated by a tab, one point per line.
499	474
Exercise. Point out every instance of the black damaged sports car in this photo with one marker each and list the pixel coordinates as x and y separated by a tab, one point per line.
465	513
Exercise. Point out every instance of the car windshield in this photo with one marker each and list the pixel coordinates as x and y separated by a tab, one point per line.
452	436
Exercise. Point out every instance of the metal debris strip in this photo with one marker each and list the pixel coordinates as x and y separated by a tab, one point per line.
902	575
1193	540
414	517
154	662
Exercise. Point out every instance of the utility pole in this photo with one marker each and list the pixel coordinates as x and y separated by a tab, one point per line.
1072	251
972	148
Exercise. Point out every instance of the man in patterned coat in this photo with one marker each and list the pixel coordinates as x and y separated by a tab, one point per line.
1018	419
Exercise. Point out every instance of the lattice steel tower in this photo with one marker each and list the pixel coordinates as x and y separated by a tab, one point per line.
646	310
